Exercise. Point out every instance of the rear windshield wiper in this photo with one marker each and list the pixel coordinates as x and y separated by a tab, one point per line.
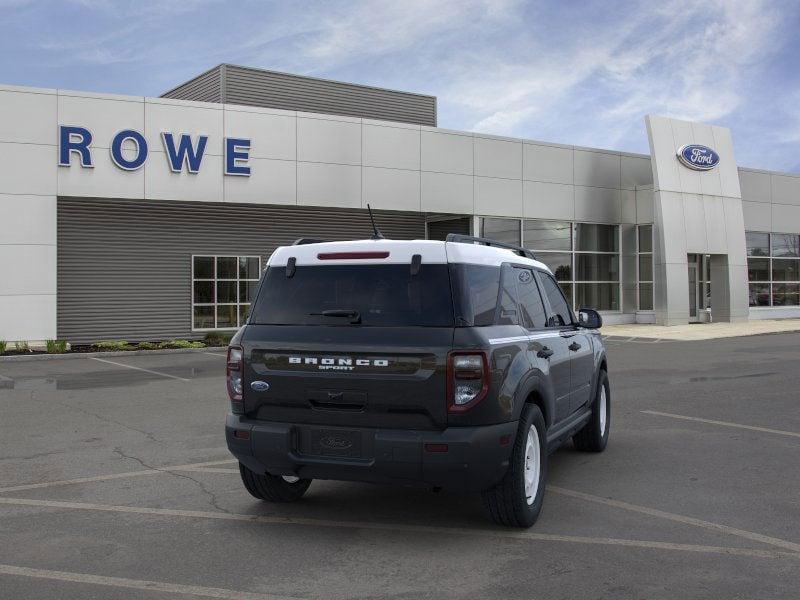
353	315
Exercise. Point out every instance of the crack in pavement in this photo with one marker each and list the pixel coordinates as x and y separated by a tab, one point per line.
212	497
147	434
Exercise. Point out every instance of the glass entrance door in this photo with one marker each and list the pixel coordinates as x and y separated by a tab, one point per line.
694	288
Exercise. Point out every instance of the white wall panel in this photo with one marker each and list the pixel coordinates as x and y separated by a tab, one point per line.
549	164
28	317
180	118
28	269
105	179
321	184
447	152
502	197
627	206
498	158
103	117
786	218
327	141
162	184
27	219
28	118
272	135
755	186
757	216
662	152
597	169
694	219
644	206
785	189
28	169
394	147
597	205
391	189
548	200
727	169
715	225
635	172
447	193
270	182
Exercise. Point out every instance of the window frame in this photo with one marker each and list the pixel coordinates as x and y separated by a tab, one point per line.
573	282
215	280
540	275
639	281
771	283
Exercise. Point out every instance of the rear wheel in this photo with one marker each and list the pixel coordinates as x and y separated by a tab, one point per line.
273	488
517	500
594	435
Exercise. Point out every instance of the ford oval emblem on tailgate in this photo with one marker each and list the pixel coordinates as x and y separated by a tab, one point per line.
334	442
259	386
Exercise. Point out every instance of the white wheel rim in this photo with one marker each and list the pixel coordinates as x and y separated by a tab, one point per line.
601	406
290	478
533	465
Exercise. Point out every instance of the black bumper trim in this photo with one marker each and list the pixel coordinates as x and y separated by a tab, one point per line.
476	457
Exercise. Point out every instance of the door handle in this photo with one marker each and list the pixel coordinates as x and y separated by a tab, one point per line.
574	346
545	352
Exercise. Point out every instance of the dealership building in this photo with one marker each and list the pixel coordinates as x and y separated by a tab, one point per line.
137	218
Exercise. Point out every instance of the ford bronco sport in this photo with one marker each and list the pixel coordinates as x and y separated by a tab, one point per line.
455	364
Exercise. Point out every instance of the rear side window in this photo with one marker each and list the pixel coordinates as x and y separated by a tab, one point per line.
475	290
561	312
383	295
530	300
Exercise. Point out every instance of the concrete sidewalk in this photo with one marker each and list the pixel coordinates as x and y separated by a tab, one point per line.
701	331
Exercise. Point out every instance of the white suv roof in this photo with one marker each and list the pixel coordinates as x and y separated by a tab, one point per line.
397	251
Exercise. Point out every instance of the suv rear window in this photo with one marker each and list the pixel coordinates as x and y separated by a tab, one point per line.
383	295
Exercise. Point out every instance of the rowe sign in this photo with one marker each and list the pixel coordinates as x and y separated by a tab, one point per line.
182	152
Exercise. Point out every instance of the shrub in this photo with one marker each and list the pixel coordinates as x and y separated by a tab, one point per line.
113	346
181	344
218	338
147	346
22	346
56	346
3	345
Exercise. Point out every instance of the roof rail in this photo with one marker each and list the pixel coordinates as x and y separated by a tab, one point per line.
304	241
469	239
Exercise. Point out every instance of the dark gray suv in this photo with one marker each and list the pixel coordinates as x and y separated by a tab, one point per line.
454	364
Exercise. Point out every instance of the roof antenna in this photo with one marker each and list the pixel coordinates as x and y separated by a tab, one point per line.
376	233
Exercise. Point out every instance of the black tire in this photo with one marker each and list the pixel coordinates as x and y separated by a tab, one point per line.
507	503
271	487
594	437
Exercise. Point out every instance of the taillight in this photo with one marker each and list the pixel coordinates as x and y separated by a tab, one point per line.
467	379
234	371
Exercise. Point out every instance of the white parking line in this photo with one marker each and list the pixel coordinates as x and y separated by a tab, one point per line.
111	362
723	423
138	584
485	533
46	484
653	512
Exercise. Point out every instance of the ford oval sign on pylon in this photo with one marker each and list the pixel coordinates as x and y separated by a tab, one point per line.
698	157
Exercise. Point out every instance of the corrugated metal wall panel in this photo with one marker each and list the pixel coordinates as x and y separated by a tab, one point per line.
290	92
256	87
206	87
124	266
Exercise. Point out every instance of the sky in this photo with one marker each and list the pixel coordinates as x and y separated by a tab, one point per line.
581	73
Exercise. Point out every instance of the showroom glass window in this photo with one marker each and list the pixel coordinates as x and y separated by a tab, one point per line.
773	268
644	256
223	288
584	257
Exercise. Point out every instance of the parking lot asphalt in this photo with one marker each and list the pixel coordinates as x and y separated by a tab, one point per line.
115	483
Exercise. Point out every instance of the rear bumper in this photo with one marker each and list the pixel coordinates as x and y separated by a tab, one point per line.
476	457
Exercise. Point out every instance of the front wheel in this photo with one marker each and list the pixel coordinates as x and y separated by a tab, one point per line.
594	435
273	488
517	500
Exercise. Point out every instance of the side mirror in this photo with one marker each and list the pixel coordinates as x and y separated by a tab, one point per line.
589	318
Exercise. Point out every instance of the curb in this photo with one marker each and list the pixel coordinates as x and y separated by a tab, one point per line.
77	355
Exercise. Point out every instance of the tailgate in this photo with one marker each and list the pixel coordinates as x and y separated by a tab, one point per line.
379	377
